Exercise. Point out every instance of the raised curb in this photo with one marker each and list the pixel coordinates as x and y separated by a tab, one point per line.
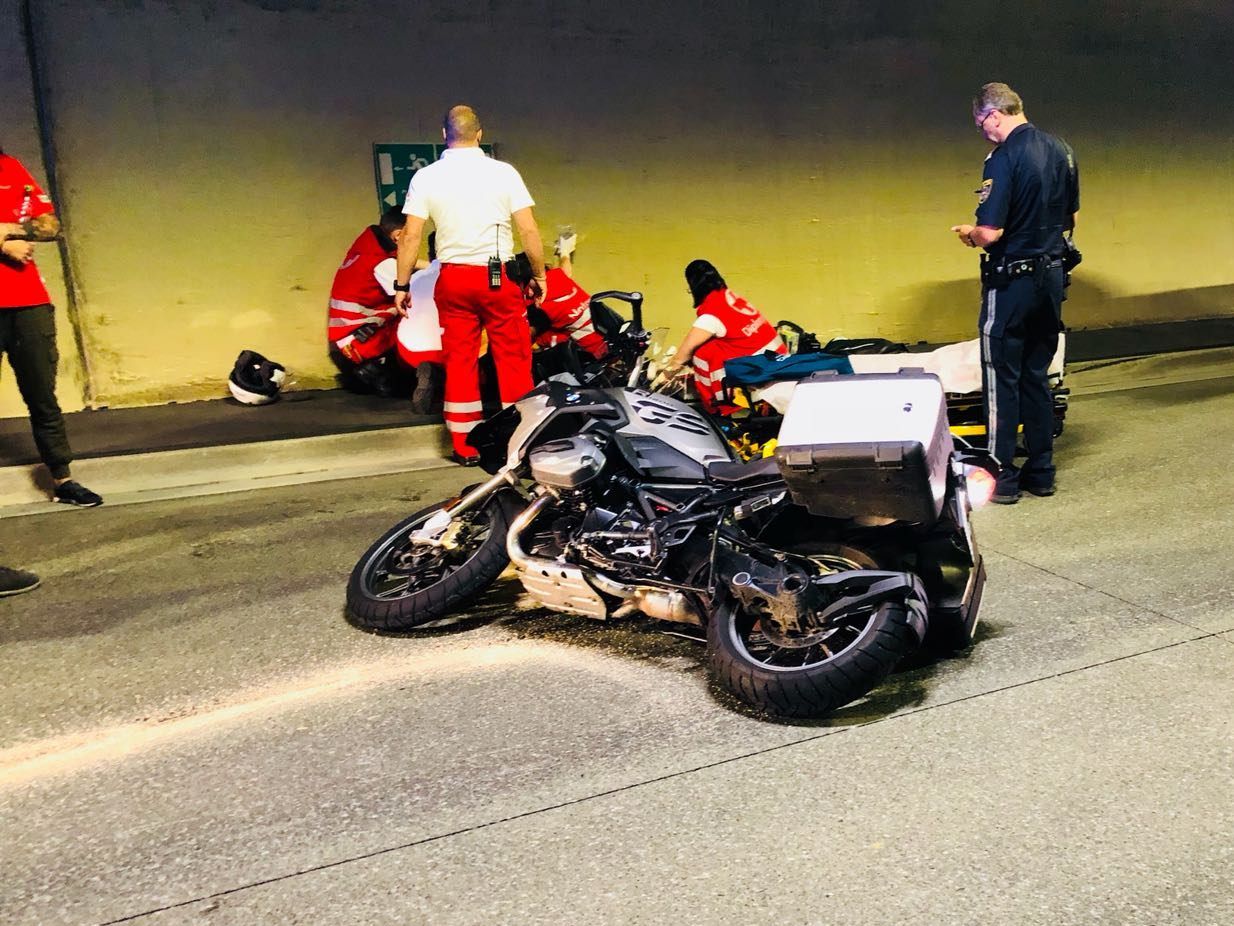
146	477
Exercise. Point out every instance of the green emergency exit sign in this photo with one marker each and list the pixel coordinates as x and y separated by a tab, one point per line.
395	162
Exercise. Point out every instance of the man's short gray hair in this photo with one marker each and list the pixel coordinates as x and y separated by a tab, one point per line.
996	96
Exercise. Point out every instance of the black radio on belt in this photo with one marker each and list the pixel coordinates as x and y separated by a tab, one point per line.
364	332
992	274
1071	255
494	273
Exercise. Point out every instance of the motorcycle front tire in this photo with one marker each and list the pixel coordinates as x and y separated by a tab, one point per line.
476	570
810	691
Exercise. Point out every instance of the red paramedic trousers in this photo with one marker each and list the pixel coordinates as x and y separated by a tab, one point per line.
465	305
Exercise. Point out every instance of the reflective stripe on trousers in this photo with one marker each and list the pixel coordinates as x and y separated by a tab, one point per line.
465	305
991	375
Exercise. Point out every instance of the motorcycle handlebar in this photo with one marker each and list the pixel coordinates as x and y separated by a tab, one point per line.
634	300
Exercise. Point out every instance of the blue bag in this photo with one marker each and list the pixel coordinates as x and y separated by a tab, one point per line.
770	367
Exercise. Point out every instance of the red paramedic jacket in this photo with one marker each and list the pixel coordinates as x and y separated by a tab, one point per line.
568	307
357	297
746	333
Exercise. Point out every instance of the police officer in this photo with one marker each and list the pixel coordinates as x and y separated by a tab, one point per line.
1027	202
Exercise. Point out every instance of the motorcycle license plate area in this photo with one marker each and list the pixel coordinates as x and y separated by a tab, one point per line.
867	445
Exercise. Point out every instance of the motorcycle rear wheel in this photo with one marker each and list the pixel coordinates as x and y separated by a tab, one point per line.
812	681
400	584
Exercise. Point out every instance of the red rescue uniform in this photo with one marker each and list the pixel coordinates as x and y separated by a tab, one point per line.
739	330
472	199
568	307
466	306
358	299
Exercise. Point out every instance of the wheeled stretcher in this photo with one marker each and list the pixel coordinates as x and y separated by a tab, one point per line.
958	367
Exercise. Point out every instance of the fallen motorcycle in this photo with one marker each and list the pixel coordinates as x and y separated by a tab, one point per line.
810	575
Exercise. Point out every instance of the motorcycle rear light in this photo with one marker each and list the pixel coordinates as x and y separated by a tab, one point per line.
981	484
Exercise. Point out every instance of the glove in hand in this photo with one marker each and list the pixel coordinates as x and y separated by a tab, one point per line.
567	241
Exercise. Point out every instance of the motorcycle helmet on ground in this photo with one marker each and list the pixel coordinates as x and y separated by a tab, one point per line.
254	380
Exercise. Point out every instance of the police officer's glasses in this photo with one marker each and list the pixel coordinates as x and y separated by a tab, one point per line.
981	122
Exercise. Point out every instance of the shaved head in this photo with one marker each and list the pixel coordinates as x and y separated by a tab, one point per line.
461	124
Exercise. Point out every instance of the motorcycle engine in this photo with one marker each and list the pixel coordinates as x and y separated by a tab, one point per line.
567	463
597	522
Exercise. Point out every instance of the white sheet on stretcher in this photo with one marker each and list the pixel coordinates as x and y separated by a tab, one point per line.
957	365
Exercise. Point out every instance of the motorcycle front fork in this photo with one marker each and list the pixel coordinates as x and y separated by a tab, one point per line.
436	529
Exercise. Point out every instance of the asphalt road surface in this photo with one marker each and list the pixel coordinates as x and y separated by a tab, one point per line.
191	732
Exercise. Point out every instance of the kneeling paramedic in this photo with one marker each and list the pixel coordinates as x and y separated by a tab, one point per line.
360	324
727	327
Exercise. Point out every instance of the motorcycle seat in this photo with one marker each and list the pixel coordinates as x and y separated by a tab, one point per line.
740	473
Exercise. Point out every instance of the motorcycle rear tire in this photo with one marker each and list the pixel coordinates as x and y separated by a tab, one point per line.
816	690
455	590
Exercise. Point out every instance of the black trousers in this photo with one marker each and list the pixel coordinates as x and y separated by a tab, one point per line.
1019	327
28	337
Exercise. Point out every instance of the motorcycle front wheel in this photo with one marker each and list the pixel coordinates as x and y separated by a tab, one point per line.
400	583
859	650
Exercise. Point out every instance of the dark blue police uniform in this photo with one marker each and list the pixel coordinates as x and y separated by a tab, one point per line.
1030	189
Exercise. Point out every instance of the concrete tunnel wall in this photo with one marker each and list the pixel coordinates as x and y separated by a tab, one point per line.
214	158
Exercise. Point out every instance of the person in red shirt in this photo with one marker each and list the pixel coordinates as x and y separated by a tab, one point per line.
567	306
28	323
362	323
726	327
565	315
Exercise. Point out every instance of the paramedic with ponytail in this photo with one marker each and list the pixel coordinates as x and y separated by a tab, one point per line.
726	327
475	202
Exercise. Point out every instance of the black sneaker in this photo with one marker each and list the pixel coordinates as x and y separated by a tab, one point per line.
1005	496
425	400
16	581
74	493
1041	491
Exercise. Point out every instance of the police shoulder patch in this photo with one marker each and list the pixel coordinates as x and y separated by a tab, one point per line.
984	193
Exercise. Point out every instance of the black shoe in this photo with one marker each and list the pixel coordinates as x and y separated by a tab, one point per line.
1008	497
16	581
428	387
1040	491
74	493
473	460
375	376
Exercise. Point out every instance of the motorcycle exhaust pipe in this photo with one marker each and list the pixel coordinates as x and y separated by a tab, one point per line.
554	585
569	588
522	560
659	603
